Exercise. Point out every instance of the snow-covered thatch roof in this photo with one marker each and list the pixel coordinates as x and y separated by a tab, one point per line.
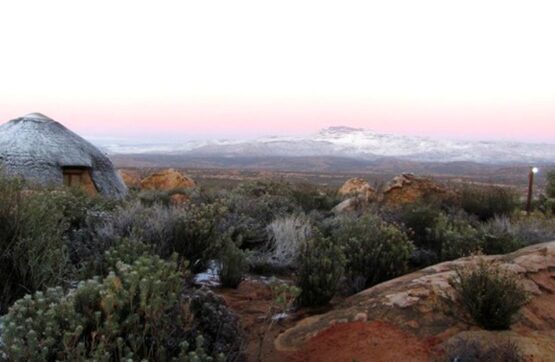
37	148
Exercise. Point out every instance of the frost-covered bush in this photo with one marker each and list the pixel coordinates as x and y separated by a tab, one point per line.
286	235
375	251
136	312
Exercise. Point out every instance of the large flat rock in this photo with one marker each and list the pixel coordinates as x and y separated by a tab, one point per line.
419	309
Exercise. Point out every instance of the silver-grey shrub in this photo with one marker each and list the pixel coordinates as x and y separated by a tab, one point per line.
286	235
527	230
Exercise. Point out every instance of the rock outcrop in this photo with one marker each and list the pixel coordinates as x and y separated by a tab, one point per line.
167	180
131	178
410	314
357	187
408	188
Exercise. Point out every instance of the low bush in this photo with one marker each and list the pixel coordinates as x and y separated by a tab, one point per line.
550	186
286	235
154	197
33	251
533	229
453	236
465	350
487	202
321	266
219	327
195	235
490	295
498	236
311	197
375	251
252	207
124	251
418	219
233	265
191	231
134	313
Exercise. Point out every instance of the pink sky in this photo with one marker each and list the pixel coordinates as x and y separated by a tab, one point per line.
228	120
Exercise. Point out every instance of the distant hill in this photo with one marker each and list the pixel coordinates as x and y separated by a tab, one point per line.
350	145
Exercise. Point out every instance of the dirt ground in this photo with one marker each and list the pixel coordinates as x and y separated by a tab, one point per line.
357	341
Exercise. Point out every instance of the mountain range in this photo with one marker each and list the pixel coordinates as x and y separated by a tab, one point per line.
346	142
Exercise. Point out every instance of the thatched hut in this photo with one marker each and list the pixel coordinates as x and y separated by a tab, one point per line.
43	151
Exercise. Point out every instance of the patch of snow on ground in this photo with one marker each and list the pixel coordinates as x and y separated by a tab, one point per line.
209	277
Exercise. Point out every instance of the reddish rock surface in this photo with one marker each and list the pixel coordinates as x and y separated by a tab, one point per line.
167	180
131	178
357	187
359	341
415	316
408	188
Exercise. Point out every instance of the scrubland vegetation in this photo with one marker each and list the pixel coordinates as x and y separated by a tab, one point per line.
89	278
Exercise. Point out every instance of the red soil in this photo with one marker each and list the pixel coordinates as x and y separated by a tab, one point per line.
358	341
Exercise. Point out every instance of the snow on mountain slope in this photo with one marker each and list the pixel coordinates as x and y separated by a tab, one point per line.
354	143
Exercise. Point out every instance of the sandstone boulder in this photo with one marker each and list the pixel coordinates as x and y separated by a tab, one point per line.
409	315
357	187
408	188
167	180
131	178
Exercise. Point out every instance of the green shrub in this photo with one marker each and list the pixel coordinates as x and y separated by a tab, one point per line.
498	237
125	251
487	202
233	265
154	197
311	197
489	295
418	219
550	187
192	231
374	250
525	230
195	235
134	313
33	252
453	236
252	207
219	327
321	265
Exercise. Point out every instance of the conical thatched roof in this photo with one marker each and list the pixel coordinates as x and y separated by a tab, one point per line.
37	148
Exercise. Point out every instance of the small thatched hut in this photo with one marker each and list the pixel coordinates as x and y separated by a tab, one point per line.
41	150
